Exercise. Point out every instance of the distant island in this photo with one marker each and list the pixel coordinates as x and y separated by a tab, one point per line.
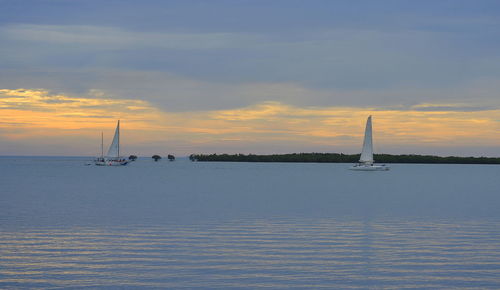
343	158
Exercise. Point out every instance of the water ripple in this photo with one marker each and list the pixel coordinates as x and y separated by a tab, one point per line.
258	253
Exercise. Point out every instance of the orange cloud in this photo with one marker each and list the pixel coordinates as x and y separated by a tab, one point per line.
391	126
31	114
38	109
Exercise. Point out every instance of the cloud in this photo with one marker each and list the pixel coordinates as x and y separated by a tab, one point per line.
267	127
184	70
452	108
37	108
171	92
168	91
101	37
330	57
250	76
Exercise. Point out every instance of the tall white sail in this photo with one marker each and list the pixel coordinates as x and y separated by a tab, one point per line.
114	148
367	153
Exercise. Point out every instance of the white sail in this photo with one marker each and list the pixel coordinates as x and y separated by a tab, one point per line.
367	152
366	159
114	148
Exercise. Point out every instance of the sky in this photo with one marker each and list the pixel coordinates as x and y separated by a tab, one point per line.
238	76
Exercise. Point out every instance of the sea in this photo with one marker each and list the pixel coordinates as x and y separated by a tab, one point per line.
224	225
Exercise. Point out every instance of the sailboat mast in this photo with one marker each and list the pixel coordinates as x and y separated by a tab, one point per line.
102	144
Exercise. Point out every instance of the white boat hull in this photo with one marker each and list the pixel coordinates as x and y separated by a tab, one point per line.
111	162
372	167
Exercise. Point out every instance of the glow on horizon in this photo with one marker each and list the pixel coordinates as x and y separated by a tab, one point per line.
31	115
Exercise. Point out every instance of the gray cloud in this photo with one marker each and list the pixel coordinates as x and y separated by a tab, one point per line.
106	38
332	58
458	108
172	92
182	71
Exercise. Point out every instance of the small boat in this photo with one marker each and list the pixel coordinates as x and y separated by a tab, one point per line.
366	159
113	157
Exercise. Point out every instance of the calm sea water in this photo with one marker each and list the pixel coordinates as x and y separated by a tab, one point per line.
247	225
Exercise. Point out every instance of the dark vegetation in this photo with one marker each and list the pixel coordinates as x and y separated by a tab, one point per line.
171	157
132	157
156	157
342	158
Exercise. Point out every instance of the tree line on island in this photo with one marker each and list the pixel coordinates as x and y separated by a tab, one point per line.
343	158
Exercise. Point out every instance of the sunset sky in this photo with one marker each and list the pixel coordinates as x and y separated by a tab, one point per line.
242	76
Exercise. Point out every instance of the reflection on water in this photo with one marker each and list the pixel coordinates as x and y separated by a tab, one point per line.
282	253
249	225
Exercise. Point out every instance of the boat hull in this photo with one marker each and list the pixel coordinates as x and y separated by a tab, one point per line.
369	168
111	162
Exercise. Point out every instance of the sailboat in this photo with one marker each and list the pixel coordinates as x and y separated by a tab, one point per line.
366	159
113	157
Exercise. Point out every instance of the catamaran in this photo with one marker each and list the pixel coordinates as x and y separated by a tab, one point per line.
113	157
366	159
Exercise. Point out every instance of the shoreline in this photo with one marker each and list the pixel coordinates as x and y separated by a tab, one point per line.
342	158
